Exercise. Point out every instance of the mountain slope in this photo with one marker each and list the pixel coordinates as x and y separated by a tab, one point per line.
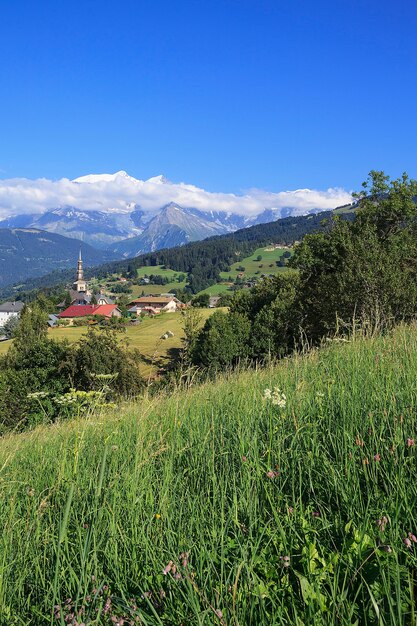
28	252
173	226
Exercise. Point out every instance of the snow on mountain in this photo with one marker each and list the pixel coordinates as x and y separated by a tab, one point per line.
104	209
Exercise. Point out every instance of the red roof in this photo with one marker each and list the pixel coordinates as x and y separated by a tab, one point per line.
83	310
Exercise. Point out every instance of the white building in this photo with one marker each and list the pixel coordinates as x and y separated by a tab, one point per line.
8	310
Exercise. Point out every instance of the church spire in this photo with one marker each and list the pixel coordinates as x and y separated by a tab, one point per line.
80	271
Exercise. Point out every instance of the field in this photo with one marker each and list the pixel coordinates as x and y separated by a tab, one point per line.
146	337
224	504
253	268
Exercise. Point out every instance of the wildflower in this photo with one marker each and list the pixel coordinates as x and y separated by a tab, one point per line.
244	458
57	611
377	457
381	523
147	594
365	461
272	474
162	594
157	516
276	396
290	510
285	561
184	558
412	537
177	576
410	442
168	568
315	514
31	492
407	542
359	441
107	606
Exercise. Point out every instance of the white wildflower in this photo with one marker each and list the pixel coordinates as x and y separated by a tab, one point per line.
276	396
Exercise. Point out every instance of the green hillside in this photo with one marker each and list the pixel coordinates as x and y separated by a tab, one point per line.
217	506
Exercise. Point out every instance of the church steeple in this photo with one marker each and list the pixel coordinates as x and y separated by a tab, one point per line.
80	271
80	285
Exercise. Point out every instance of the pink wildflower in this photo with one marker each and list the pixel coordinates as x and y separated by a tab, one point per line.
377	457
407	542
410	442
272	474
168	568
412	537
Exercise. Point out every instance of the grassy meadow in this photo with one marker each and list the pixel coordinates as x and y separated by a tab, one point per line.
145	337
254	268
224	504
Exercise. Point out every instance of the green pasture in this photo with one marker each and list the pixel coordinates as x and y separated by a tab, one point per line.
266	266
146	337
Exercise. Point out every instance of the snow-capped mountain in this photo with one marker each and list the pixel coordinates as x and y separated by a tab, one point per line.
172	226
123	213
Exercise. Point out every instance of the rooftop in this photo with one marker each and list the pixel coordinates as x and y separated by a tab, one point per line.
11	307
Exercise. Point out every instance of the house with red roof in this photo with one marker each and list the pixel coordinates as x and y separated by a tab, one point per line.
87	310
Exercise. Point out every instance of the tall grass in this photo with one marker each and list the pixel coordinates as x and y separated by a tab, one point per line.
258	514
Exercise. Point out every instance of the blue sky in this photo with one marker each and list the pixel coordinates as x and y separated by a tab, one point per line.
224	94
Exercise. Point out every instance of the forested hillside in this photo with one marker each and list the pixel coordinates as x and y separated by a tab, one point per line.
26	253
202	261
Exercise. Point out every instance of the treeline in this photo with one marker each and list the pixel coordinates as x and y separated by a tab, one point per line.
202	261
356	273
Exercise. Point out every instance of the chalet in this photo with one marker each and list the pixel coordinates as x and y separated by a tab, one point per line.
10	309
155	304
87	310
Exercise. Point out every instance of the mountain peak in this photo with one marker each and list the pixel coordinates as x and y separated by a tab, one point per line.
105	178
158	180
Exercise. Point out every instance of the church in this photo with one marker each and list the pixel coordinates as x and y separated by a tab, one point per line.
80	294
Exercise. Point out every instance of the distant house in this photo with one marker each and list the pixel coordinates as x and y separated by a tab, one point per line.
155	304
87	310
52	320
10	309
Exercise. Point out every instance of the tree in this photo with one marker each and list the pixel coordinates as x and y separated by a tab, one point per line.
201	301
99	353
10	327
364	269
32	328
67	300
93	299
222	342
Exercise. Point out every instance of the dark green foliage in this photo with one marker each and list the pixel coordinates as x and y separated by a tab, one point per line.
365	269
223	341
10	326
201	301
99	353
37	371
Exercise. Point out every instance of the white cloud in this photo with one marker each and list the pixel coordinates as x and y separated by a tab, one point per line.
118	192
